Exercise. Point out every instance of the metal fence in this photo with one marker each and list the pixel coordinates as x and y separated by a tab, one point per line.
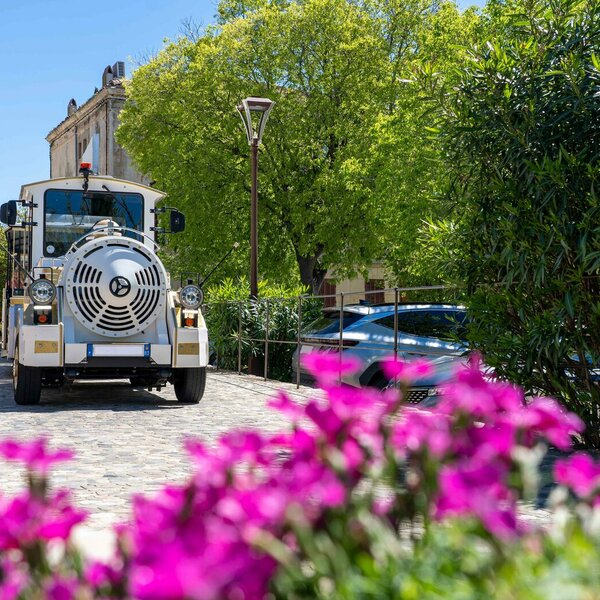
246	334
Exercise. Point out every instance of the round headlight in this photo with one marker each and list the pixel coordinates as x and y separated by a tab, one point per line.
42	291
191	296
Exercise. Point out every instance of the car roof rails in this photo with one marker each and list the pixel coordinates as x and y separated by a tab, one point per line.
415	303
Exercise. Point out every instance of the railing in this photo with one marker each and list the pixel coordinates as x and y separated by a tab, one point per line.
254	335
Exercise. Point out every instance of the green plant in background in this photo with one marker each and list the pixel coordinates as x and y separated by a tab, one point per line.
346	172
229	305
522	133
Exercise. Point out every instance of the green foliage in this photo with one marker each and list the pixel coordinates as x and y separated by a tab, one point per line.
451	561
229	312
522	136
347	169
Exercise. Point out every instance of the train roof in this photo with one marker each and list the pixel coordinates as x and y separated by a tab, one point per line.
67	182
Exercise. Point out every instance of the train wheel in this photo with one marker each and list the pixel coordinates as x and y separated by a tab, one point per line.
27	382
189	384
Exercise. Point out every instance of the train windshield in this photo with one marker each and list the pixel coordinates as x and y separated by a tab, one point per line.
68	215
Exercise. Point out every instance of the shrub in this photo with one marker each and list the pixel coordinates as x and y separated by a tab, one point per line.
230	302
522	138
363	497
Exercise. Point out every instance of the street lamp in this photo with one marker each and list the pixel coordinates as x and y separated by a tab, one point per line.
260	107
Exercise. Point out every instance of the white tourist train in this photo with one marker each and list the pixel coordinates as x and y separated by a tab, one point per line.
87	297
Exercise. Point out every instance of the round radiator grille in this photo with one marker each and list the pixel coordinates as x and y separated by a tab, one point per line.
114	286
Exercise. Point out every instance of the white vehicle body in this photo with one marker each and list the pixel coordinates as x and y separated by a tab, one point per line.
115	313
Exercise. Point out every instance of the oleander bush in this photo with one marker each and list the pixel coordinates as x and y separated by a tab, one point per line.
362	497
277	307
521	129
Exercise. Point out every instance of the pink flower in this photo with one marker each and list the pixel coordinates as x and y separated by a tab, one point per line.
547	417
287	407
35	455
324	418
407	371
327	367
13	579
26	519
419	430
580	473
60	588
478	489
101	575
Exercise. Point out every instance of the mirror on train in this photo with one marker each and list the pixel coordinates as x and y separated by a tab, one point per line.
177	221
8	212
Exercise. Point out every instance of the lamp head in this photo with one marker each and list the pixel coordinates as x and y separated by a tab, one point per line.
259	106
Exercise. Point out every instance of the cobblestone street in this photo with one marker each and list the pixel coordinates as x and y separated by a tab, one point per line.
128	440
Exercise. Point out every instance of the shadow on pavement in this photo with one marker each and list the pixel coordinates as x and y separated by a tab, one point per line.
85	395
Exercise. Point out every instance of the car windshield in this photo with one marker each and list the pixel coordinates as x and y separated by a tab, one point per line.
330	322
68	215
447	325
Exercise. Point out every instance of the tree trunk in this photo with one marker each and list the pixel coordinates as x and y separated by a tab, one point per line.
311	273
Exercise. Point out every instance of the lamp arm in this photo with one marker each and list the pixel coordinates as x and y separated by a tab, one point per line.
235	245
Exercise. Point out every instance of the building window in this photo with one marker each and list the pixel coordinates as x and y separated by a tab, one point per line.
373	286
328	289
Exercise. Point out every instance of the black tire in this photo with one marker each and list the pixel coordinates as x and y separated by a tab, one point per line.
27	382
189	384
138	381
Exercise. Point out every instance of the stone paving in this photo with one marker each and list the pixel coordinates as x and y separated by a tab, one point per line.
129	440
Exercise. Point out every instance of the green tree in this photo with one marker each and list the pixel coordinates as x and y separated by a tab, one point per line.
338	71
522	133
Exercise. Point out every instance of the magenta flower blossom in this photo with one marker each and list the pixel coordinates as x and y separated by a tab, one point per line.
407	371
13	579
580	473
35	455
419	430
60	588
327	367
287	407
479	490
27	518
101	575
207	539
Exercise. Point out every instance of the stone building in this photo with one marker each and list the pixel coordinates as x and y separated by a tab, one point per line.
92	126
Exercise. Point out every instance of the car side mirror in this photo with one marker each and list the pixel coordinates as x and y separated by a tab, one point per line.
8	212
177	221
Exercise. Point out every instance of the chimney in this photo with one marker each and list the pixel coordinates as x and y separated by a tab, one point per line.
71	107
118	70
107	76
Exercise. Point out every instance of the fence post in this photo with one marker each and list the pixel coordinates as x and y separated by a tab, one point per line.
266	339
298	344
340	341
395	323
240	337
206	308
395	330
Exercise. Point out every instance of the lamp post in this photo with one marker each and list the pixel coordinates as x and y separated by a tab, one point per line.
260	107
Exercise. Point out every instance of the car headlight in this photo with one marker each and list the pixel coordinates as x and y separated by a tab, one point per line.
191	296
42	291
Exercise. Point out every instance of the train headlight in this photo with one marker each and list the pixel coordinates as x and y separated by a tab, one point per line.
191	296
42	291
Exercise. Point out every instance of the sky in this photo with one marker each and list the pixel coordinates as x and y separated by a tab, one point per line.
55	50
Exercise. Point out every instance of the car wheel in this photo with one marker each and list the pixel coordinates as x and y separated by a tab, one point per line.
189	384
27	382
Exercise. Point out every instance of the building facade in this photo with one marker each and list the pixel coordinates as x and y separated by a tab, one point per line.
92	127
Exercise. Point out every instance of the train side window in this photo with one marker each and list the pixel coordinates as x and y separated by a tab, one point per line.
18	244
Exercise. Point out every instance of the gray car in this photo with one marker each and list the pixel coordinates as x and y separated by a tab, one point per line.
435	331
